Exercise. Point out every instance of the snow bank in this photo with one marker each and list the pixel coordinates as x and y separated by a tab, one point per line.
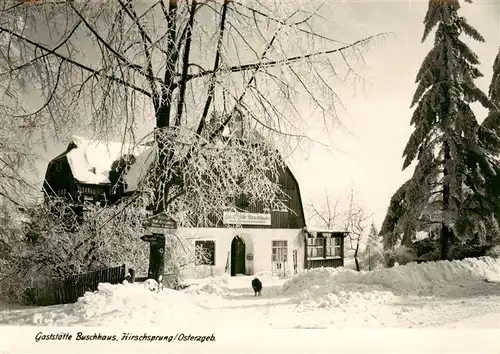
129	300
325	287
413	277
320	288
127	304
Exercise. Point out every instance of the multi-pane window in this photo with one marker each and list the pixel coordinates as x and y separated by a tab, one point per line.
280	251
205	252
323	246
332	247
87	190
315	247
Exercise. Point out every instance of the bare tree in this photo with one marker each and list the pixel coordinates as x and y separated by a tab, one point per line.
106	63
327	215
225	81
356	223
352	219
57	242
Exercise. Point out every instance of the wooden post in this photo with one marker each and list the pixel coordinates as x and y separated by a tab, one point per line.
157	258
306	263
156	240
226	270
294	261
131	273
369	259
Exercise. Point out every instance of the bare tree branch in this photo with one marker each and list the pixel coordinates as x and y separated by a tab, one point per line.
255	11
149	61
73	62
294	59
211	87
120	57
185	61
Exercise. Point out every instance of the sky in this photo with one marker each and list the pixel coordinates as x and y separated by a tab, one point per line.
367	154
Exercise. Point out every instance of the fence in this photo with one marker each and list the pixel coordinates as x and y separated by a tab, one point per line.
68	290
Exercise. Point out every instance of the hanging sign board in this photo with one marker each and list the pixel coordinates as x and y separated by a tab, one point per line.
152	238
238	218
160	221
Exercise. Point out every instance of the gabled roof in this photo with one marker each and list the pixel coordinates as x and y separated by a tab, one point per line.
139	168
90	160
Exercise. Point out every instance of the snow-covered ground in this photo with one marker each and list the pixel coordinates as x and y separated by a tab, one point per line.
458	294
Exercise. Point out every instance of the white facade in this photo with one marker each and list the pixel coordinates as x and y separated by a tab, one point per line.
258	250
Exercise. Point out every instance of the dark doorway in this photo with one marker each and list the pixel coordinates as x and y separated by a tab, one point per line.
237	256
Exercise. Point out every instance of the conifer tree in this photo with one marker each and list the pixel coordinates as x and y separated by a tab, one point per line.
487	206
490	133
494	90
492	120
453	162
399	213
373	237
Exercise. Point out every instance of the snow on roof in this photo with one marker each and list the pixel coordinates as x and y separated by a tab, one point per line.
146	156
320	230
139	168
91	160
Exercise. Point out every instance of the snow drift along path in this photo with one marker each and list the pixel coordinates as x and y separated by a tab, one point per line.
452	294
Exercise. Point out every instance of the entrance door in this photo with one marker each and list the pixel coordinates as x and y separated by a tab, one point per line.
237	256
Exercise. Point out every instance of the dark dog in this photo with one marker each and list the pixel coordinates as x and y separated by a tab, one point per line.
257	286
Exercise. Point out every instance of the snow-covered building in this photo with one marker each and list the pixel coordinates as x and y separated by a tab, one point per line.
82	171
246	242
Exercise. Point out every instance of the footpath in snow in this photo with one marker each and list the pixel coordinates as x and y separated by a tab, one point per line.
458	294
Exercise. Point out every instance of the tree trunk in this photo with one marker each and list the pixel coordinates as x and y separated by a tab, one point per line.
408	233
446	232
369	259
163	107
356	256
445	241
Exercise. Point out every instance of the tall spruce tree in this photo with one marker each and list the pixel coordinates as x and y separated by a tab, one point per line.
397	221
490	133
492	120
449	181
484	209
373	239
494	90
